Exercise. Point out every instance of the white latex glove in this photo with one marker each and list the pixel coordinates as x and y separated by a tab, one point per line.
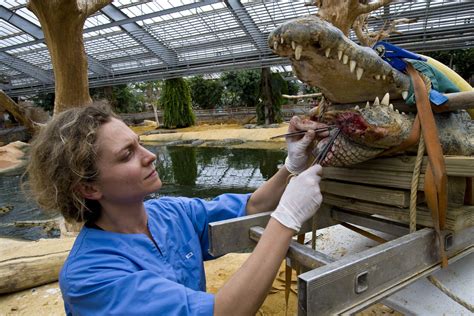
299	147
296	161
301	199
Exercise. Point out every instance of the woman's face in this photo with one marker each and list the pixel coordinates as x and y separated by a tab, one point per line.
126	169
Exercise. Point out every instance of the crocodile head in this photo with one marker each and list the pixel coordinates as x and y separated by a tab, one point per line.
323	57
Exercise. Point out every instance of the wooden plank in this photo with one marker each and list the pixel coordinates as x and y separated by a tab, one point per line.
392	179
399	198
458	166
457	218
456	190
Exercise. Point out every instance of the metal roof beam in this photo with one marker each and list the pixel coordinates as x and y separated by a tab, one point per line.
21	23
167	55
151	15
26	68
35	31
248	25
97	67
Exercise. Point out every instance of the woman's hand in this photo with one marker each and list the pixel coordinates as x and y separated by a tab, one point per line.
301	199
299	147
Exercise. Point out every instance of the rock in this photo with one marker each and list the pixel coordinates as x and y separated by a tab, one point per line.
197	142
12	158
181	142
226	142
158	132
149	123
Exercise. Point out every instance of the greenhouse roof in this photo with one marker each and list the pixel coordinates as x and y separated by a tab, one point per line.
140	40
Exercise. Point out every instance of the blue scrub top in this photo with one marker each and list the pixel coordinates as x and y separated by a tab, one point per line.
110	273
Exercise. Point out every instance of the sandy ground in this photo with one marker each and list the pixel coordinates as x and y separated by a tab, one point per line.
46	299
11	155
252	137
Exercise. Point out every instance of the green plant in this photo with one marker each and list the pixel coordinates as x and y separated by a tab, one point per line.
242	87
44	100
176	103
121	98
461	60
206	93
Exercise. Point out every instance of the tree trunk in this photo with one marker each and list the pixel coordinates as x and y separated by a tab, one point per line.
62	22
266	92
28	264
18	113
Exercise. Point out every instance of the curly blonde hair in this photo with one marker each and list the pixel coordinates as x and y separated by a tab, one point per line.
64	154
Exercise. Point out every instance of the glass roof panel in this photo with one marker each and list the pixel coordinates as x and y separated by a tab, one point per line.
27	49
27	14
96	20
8	30
165	37
12	4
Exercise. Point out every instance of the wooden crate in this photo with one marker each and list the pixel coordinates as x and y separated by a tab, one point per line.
382	187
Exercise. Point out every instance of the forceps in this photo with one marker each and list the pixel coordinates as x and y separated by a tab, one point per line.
321	129
325	150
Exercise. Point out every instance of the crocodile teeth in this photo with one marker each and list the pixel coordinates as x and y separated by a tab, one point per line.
345	59
327	52
275	45
403	113
359	72
352	65
339	54
367	105
293	45
282	40
396	110
384	77
376	101
404	95
377	77
386	99
356	108
391	106
298	51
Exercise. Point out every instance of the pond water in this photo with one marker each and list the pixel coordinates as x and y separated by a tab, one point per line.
185	171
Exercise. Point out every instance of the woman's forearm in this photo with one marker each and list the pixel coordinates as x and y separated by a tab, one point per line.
245	292
267	196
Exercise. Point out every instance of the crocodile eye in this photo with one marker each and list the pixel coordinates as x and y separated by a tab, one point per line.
380	50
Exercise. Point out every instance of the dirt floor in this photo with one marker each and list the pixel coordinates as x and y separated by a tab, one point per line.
46	299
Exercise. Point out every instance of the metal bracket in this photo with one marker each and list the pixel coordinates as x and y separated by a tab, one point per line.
359	280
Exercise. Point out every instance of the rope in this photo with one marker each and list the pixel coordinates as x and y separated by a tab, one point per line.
414	183
413	195
448	292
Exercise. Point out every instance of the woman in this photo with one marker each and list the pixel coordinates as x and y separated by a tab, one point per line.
135	257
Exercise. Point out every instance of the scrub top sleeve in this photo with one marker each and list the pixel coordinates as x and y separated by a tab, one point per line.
140	293
202	212
225	206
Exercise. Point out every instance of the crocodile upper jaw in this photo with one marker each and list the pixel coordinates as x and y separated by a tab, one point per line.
323	57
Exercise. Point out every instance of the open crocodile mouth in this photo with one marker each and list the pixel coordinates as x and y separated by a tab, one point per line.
322	56
364	132
347	149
